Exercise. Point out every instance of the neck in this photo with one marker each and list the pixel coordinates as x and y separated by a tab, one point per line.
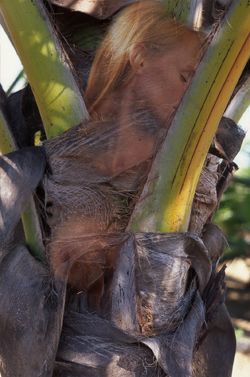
126	108
118	105
137	131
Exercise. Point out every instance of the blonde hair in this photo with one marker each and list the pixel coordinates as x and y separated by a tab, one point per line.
143	23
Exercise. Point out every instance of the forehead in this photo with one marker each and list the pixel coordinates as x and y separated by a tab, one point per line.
190	43
187	50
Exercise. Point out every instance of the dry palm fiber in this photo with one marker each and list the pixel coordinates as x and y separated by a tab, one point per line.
95	180
92	201
96	177
159	275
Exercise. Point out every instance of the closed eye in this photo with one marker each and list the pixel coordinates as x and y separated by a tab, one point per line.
186	75
184	78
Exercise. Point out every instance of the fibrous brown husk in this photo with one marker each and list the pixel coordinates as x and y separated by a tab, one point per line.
147	287
153	276
157	290
216	174
32	307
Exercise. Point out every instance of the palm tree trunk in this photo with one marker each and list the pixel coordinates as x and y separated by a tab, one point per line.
100	348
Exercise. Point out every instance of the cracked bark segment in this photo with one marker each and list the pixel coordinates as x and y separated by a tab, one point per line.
217	172
153	284
205	199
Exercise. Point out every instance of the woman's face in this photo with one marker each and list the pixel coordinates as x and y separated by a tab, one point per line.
159	82
162	80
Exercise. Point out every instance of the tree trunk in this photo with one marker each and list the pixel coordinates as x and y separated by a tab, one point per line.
163	311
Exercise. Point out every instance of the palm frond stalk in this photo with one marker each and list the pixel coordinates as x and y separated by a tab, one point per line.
32	230
15	82
30	219
167	198
187	11
56	91
7	142
178	8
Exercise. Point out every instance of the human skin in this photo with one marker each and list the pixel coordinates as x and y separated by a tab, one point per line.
158	85
137	116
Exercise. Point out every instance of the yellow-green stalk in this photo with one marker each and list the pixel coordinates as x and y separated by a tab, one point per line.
56	91
178	8
167	198
30	220
186	11
32	230
7	142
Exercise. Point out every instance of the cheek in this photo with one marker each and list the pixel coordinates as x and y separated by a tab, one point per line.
177	92
168	87
163	88
174	88
169	93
